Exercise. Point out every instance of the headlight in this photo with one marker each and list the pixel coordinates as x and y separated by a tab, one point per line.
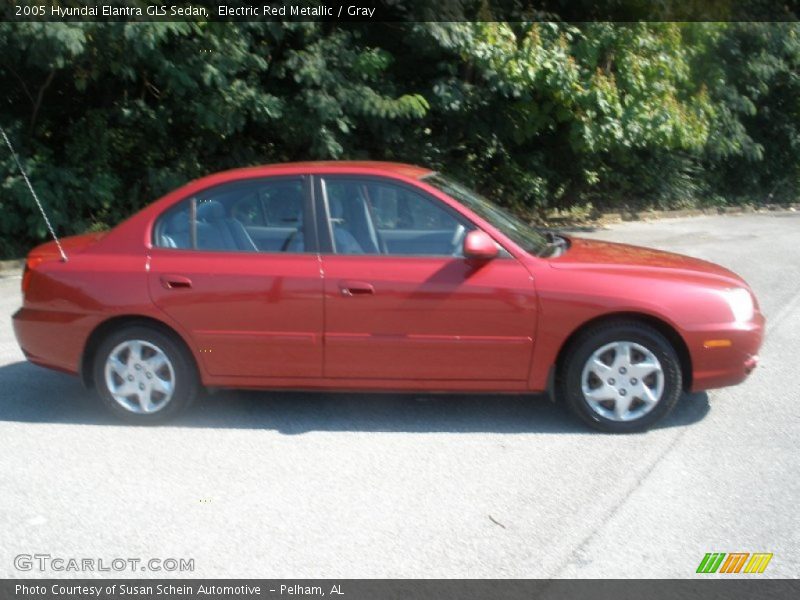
740	302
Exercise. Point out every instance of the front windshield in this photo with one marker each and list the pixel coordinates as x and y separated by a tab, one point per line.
523	235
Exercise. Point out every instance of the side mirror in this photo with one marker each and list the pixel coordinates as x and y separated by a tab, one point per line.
479	245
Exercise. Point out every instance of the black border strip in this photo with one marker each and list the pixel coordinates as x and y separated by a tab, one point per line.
732	588
366	11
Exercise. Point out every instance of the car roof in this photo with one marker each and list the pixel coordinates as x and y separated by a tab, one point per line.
333	166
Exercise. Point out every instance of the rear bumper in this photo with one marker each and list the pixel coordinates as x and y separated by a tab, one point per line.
724	355
51	339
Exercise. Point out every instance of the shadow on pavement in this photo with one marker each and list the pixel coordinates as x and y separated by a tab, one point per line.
30	394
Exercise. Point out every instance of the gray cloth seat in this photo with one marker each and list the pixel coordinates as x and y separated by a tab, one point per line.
296	242
215	231
176	232
345	242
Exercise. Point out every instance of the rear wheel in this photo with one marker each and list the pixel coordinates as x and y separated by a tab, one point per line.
143	375
621	377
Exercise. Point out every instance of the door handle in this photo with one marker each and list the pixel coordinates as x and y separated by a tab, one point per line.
176	282
356	288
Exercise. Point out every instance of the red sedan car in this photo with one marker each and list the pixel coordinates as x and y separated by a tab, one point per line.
377	276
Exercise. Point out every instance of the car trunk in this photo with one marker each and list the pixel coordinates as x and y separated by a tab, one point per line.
48	252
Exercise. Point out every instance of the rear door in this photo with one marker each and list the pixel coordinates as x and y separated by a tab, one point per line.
236	266
401	301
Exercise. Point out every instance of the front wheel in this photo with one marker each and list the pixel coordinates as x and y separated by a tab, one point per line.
621	377
143	375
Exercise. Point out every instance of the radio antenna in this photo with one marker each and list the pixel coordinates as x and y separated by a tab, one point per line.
35	197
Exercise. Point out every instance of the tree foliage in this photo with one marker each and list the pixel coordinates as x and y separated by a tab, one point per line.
109	116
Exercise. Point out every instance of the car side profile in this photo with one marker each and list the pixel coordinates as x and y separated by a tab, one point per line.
377	276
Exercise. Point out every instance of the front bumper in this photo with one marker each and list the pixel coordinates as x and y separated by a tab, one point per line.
724	355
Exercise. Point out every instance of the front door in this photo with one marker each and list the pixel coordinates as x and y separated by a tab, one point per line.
238	270
402	303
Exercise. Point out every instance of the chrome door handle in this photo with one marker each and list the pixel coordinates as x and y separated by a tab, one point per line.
176	282
356	288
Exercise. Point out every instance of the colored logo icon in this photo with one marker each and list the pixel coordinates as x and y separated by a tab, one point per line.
734	562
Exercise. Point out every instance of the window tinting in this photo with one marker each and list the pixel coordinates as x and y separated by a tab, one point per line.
369	216
525	236
252	216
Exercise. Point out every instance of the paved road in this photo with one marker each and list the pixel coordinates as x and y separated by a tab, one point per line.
304	485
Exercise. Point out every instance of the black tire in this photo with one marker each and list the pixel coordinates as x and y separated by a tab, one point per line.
186	382
569	383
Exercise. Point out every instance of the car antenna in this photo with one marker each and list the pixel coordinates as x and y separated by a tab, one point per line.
35	197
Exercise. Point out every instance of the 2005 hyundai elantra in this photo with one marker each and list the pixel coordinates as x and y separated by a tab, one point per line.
377	276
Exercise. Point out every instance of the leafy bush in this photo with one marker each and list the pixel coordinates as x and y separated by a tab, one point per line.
540	116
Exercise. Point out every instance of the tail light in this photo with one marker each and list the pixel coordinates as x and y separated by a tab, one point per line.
30	264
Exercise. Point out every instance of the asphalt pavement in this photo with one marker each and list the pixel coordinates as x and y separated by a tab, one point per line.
276	484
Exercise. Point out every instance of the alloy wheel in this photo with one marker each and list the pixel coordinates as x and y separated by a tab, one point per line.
622	381
140	376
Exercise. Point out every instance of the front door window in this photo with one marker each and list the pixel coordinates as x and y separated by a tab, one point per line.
370	216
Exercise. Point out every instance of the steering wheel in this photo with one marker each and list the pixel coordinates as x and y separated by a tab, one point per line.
458	239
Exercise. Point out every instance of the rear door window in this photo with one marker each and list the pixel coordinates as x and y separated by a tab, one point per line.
264	215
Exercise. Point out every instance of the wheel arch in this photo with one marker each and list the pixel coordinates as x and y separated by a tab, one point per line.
117	322
660	325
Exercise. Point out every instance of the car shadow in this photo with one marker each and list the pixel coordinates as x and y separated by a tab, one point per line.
30	394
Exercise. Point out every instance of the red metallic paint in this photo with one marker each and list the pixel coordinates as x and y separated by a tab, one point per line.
429	318
251	315
374	322
480	246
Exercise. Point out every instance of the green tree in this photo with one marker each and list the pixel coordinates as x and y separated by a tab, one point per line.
538	115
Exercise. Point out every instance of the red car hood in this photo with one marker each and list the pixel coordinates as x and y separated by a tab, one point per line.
596	254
